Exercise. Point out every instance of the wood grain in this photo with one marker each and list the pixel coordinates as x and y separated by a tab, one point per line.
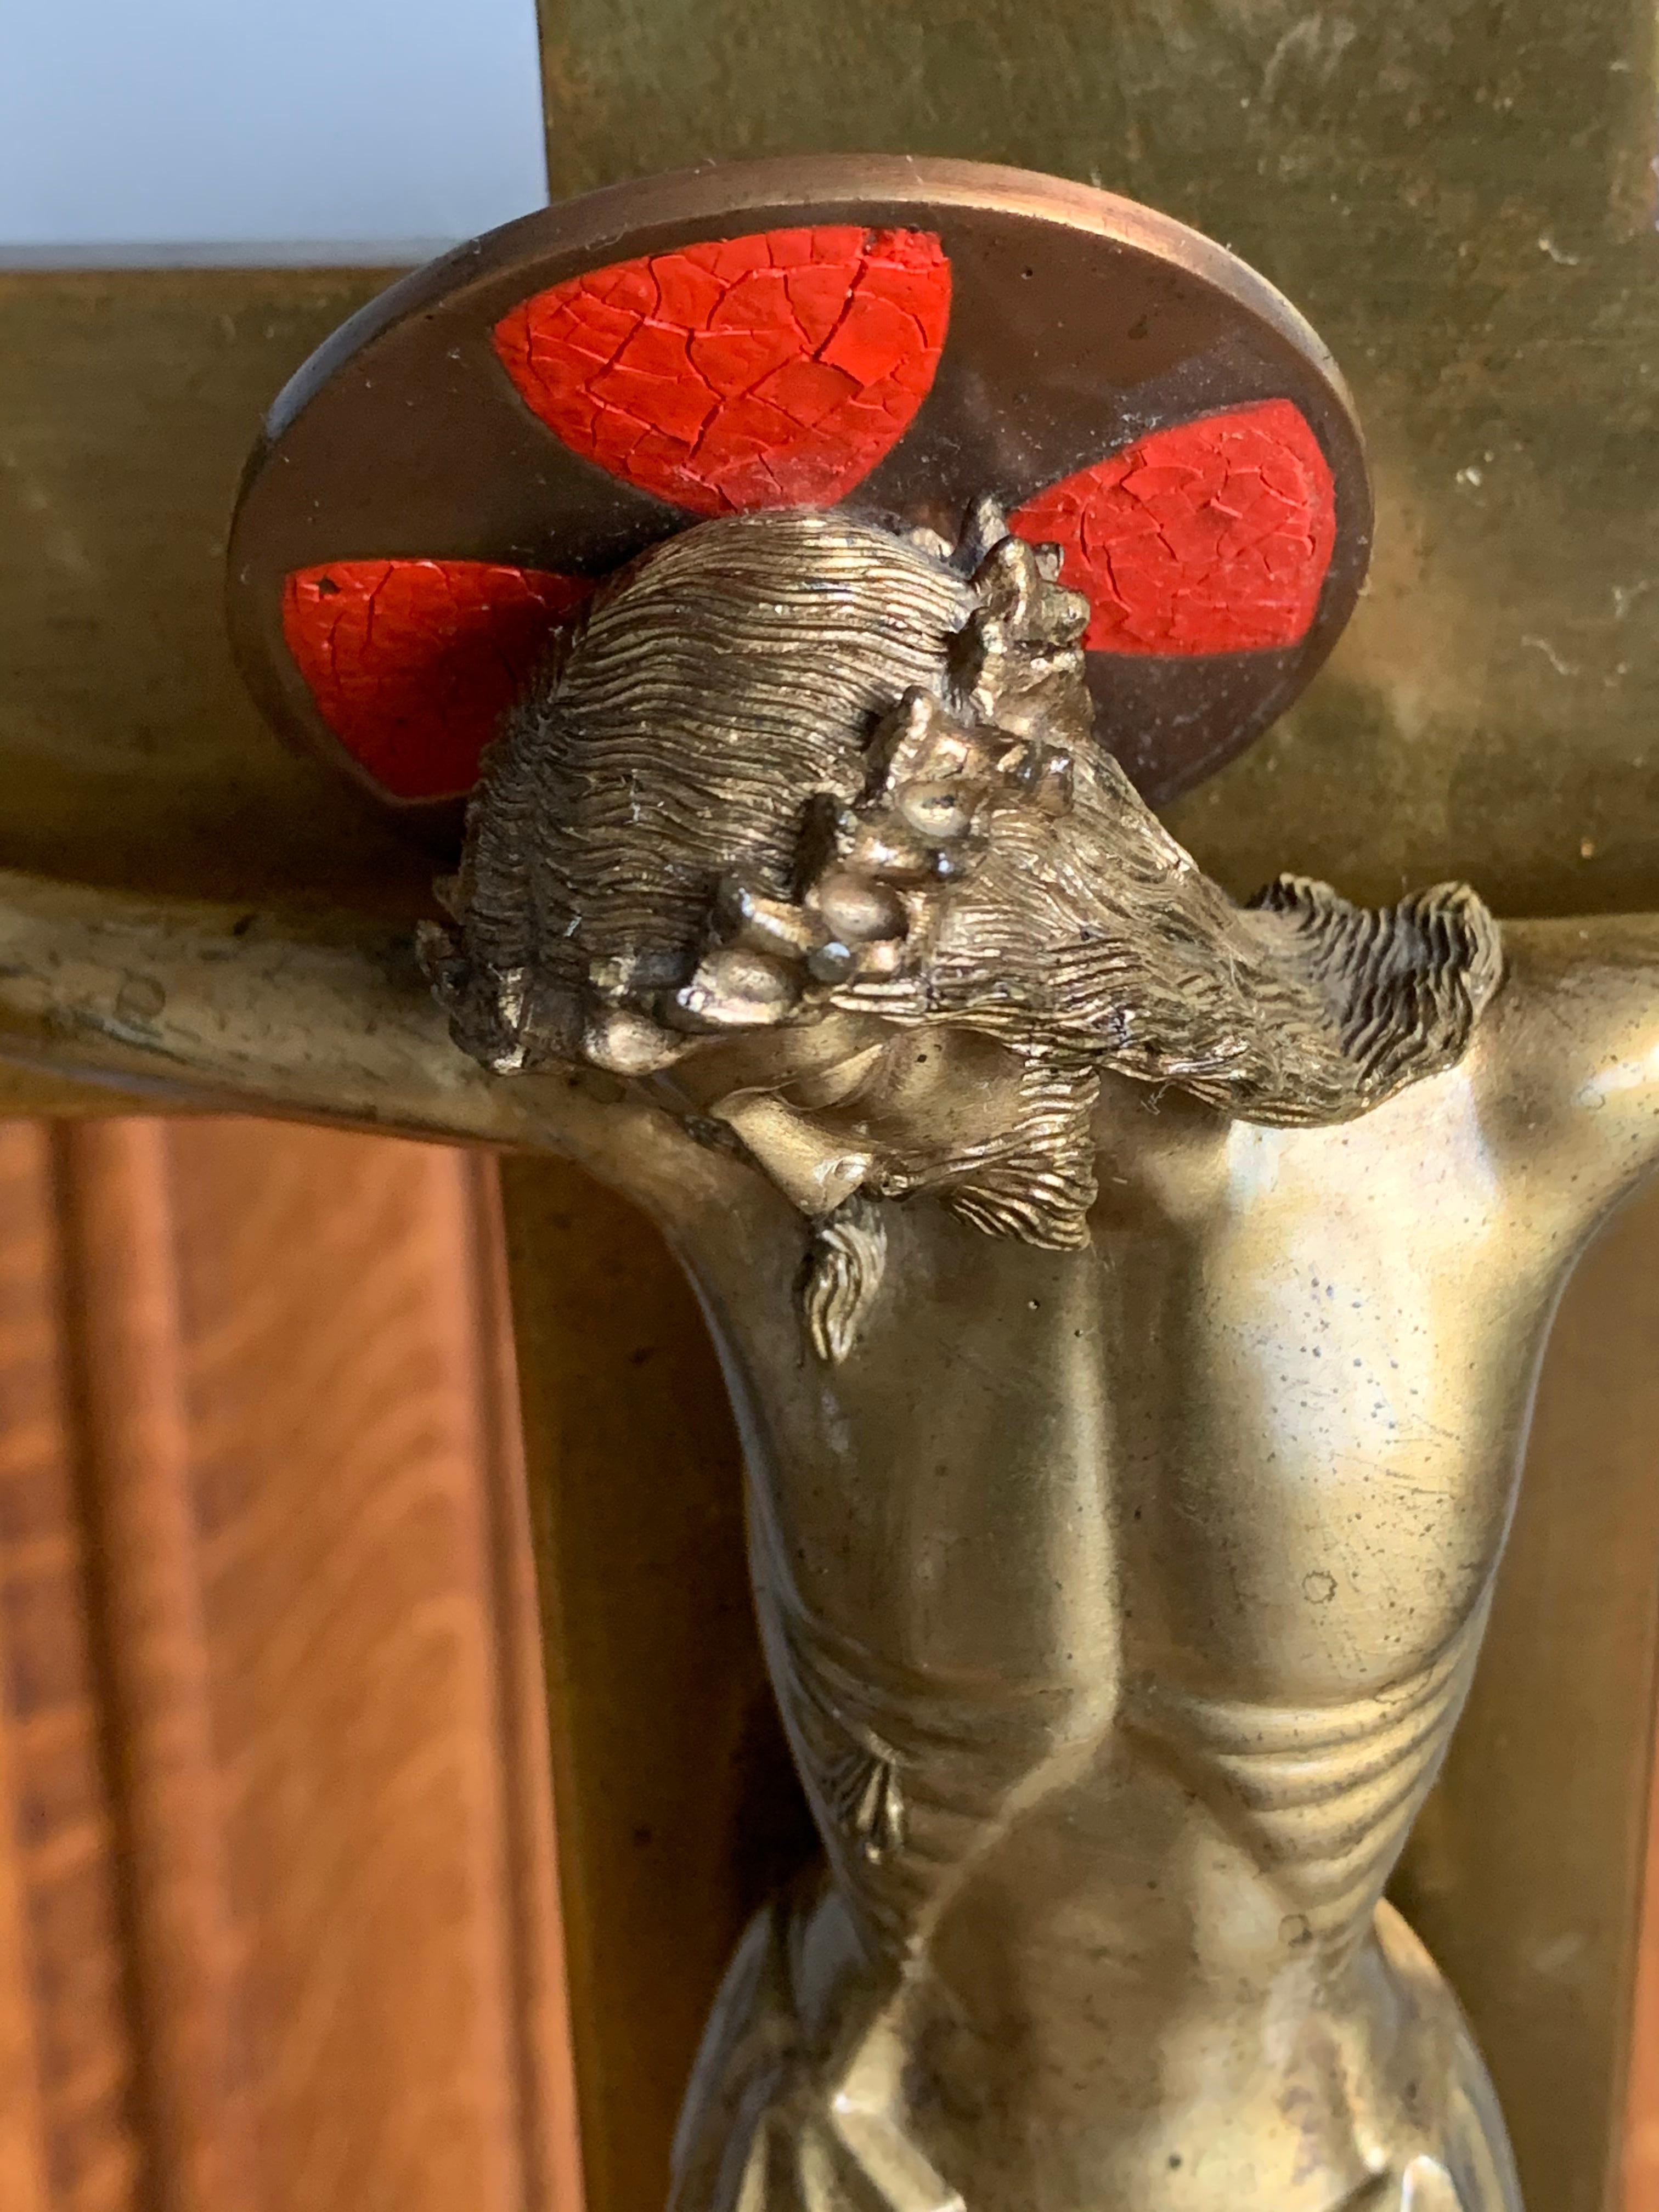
273	1588
115	1195
68	2129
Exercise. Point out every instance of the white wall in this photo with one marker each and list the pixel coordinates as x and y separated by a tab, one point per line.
261	124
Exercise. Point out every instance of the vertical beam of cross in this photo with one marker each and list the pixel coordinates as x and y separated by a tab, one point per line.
1374	166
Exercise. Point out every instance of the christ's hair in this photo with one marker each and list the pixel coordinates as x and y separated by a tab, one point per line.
740	686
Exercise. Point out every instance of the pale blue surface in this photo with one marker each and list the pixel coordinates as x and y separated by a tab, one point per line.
332	123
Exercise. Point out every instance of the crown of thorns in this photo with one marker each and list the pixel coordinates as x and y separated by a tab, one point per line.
870	879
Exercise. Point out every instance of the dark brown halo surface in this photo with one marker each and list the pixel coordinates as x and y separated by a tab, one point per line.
1079	323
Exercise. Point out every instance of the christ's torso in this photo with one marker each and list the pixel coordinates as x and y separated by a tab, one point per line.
1120	1606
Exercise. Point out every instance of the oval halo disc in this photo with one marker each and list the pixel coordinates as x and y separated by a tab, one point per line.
453	471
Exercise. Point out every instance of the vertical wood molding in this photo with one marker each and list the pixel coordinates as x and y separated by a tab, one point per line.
291	1616
122	1290
69	2108
554	2177
1639	2180
22	2121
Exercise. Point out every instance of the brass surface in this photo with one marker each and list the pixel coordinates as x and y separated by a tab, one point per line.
1321	1568
171	1004
1461	201
129	751
1525	1871
1139	1590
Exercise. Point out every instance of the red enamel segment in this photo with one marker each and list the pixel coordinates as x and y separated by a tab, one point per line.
771	371
412	663
1213	536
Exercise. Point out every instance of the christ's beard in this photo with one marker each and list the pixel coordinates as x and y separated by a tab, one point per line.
1096	942
1033	1180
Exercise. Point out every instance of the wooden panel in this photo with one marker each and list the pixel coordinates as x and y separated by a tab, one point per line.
1640	2177
68	2124
263	1371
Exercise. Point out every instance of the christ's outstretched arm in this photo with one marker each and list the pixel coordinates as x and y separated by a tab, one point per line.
1567	1065
324	1018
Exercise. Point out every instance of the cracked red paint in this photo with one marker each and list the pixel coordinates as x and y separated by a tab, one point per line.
412	663
1211	537
771	371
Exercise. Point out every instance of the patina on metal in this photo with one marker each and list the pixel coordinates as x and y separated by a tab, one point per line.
129	753
1120	1585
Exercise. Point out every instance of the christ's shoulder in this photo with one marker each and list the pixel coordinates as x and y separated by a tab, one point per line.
1565	1062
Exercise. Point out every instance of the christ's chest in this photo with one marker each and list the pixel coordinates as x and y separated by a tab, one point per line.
1319	1428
